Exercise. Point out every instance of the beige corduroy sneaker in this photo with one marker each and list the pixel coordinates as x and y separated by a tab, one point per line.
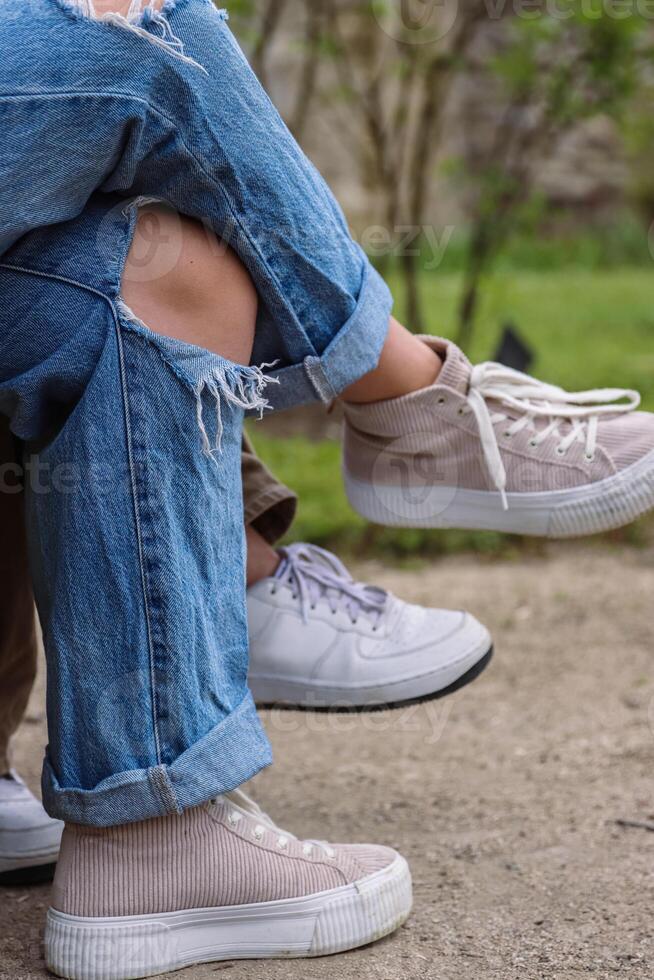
487	447
219	882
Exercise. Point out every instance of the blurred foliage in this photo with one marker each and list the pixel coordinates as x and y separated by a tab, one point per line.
588	329
615	242
382	85
638	128
555	73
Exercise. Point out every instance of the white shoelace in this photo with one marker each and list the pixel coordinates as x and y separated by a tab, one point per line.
535	399
241	806
316	575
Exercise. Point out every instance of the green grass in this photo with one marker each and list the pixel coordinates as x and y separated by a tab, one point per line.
619	243
588	329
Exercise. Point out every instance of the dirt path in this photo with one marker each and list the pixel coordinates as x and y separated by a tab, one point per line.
504	797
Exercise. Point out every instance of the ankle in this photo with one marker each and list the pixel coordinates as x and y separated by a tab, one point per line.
406	364
262	559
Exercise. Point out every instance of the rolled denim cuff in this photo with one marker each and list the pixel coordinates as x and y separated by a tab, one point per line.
354	351
233	752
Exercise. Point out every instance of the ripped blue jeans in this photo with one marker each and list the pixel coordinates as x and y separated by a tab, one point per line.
131	440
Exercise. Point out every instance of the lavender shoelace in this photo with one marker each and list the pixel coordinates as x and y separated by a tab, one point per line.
315	574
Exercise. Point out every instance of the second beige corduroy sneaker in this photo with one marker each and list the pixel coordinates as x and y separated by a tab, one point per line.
487	447
218	882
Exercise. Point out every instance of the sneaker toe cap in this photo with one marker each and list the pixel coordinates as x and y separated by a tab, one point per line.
368	858
441	636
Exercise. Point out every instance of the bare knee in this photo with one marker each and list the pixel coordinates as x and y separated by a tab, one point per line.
182	281
122	7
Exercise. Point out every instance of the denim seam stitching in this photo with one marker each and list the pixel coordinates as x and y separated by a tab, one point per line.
160	780
51	275
139	537
139	534
318	378
130	457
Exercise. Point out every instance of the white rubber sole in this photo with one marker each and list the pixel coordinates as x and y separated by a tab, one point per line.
144	946
21	862
580	511
269	691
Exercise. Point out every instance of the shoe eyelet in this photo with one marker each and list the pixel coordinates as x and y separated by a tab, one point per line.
507	435
440	400
533	444
460	411
590	457
560	452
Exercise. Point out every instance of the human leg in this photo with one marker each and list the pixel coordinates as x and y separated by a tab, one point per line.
179	276
29	839
17	623
134	497
140	585
268	504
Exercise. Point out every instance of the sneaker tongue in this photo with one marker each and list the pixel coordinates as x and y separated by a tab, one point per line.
455	372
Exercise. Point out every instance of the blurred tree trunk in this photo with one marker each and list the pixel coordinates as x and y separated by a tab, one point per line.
478	254
592	68
399	90
271	16
308	74
436	78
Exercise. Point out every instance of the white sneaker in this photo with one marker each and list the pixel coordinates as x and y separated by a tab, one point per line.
320	640
29	838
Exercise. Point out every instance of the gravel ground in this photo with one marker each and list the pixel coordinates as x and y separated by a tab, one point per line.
506	798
